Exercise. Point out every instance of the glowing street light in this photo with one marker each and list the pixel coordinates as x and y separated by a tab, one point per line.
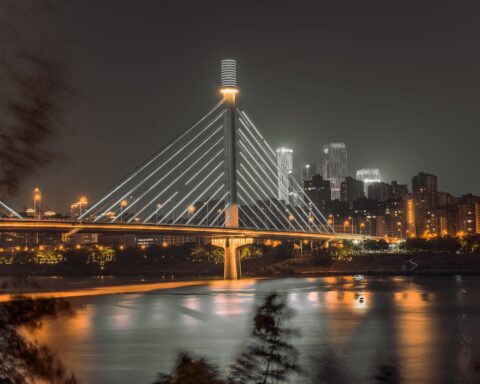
37	202
123	204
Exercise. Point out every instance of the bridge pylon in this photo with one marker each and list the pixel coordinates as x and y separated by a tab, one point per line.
229	90
232	265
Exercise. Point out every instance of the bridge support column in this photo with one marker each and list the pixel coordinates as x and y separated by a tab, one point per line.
232	269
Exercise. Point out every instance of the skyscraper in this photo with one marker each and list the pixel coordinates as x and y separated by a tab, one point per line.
352	190
335	166
424	182
318	190
380	191
285	168
368	176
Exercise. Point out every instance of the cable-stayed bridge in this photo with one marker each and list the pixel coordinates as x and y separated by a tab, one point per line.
7	212
219	178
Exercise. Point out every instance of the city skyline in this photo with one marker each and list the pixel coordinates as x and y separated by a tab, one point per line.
322	97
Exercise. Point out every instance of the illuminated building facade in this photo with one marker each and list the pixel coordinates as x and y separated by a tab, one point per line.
468	215
368	176
352	190
334	167
285	168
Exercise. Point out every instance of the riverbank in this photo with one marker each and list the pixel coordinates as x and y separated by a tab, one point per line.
373	264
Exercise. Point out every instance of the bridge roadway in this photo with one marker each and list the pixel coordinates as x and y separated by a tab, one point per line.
26	225
230	239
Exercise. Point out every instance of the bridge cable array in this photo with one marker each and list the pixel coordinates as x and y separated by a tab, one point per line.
7	212
184	184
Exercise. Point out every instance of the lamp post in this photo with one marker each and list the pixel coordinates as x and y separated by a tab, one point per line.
156	212
123	204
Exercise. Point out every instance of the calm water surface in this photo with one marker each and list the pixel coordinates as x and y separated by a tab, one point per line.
428	327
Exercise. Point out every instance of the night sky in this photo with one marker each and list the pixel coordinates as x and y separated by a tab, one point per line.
398	81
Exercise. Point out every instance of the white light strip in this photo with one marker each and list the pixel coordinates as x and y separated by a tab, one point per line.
295	182
161	166
156	156
10	210
155	198
281	214
214	208
199	197
194	189
261	178
259	198
206	164
180	176
161	206
219	215
269	157
244	212
265	221
205	204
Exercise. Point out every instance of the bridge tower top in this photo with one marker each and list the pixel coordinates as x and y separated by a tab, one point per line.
229	79
229	90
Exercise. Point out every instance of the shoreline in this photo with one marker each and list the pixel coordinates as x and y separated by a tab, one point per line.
128	288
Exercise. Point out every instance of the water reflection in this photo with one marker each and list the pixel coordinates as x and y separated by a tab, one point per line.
422	326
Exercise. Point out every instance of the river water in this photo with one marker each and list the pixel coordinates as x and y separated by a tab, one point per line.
427	327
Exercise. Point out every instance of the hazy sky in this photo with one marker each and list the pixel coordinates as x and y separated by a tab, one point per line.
398	81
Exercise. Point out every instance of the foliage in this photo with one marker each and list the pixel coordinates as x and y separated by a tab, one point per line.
250	252
48	256
375	245
102	256
190	370
206	253
323	258
343	253
23	361
443	244
269	358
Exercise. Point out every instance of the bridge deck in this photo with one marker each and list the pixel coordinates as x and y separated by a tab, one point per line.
134	228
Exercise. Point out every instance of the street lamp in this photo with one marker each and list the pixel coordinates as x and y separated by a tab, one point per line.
123	204
156	212
206	203
346	223
37	201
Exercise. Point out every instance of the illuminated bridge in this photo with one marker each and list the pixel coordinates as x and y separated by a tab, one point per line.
219	178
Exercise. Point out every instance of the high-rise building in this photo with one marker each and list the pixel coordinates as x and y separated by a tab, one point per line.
352	190
424	183
368	176
335	167
309	170
399	191
468	215
380	191
318	190
285	168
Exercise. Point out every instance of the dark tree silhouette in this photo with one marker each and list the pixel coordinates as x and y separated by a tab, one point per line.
190	370
387	374
34	89
269	357
23	361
